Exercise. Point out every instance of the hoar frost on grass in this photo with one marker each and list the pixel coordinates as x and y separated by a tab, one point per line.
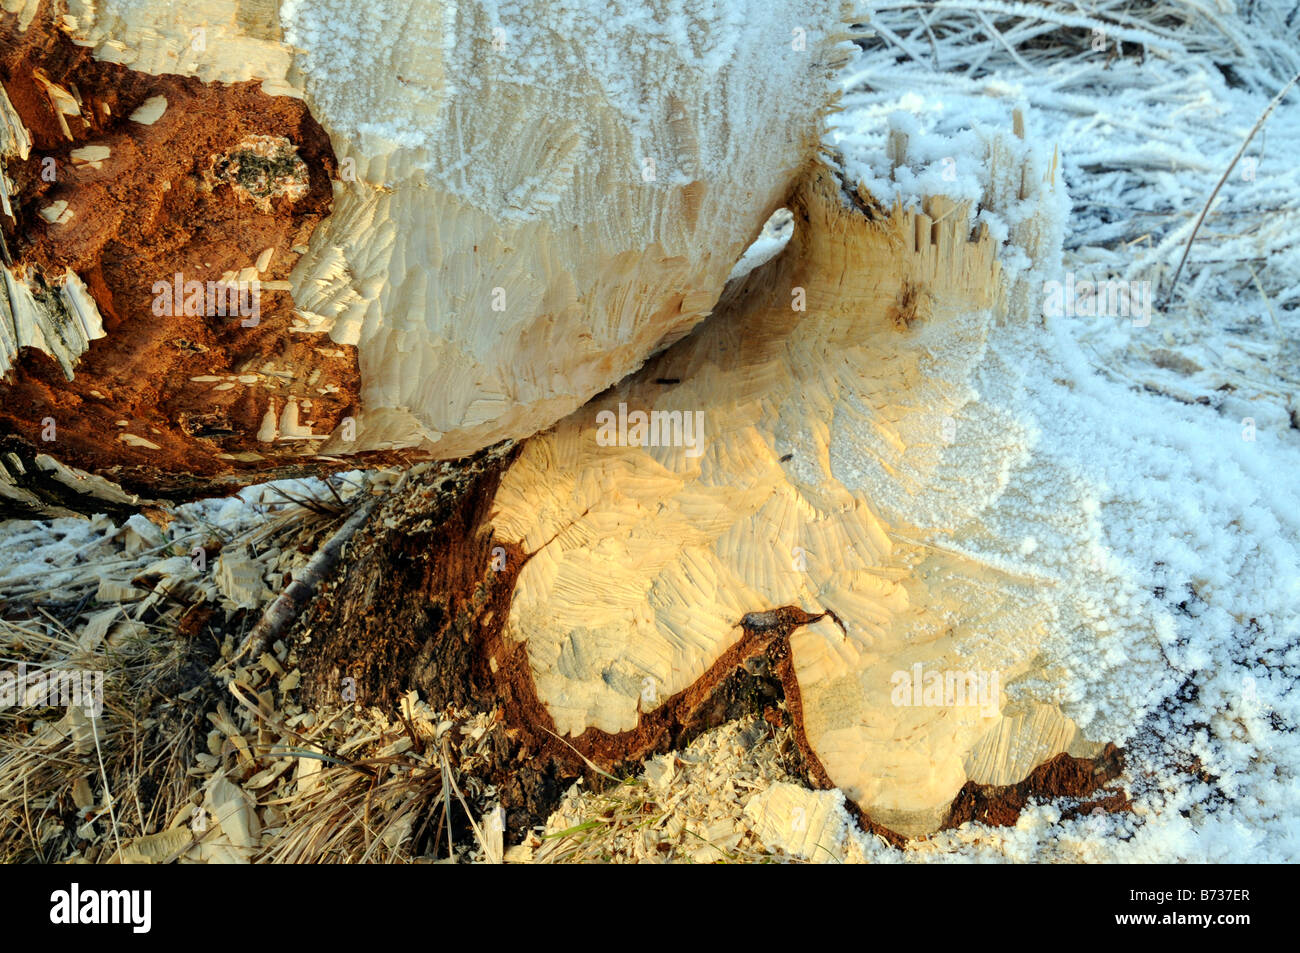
1145	126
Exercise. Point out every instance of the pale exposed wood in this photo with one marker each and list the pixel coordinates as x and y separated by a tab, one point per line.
222	41
558	218
61	321
859	457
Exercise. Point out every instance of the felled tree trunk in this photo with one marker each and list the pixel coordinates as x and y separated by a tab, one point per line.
231	258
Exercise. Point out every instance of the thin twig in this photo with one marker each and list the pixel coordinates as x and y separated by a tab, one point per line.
108	794
1224	178
280	613
446	799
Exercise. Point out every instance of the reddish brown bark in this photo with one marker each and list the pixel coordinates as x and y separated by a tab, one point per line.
159	206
